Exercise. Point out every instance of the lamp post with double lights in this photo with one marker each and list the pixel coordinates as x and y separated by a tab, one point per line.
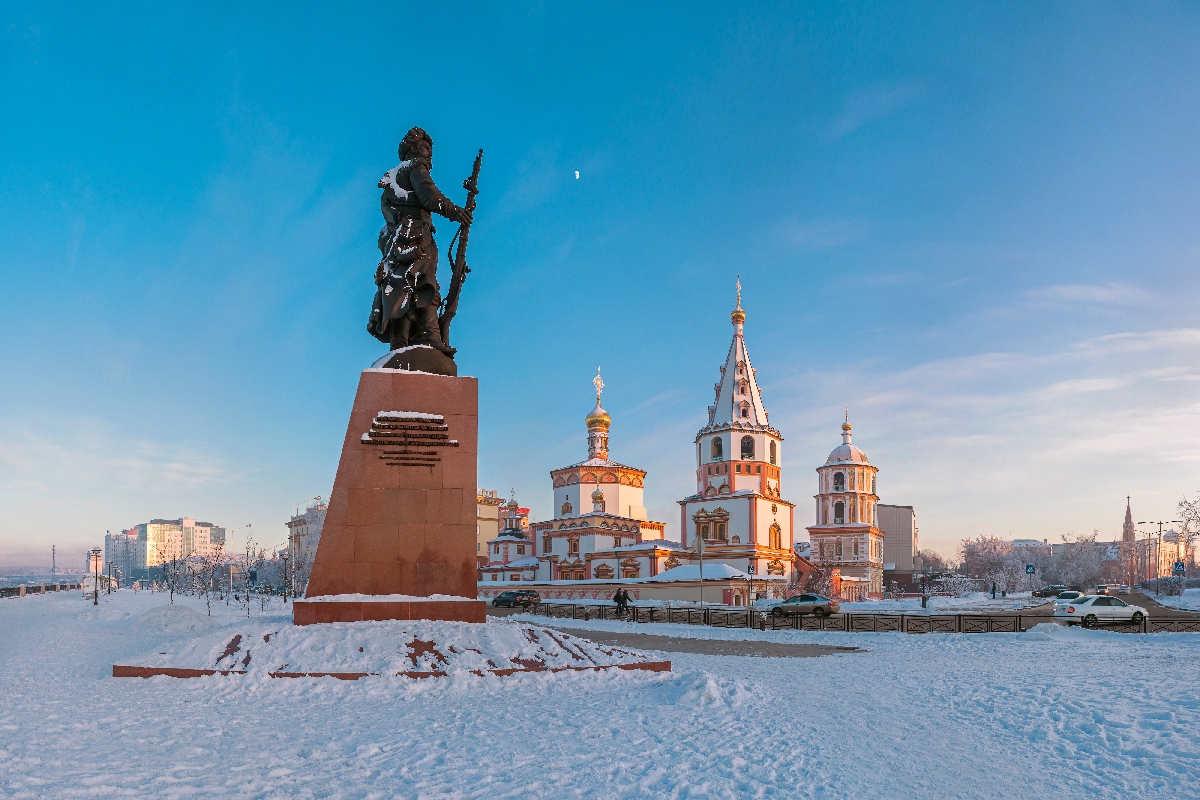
96	553
1157	548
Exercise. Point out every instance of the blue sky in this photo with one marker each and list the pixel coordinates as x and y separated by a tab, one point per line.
975	225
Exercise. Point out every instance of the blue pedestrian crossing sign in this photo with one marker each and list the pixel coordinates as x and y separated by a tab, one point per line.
1179	569
750	568
1030	569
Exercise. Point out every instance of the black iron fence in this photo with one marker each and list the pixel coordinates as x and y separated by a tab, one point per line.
15	591
852	623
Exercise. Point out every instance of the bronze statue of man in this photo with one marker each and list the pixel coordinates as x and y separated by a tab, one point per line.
405	310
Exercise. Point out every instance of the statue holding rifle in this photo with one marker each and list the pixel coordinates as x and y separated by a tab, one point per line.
409	308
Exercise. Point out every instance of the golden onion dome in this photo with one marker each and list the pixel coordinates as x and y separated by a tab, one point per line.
738	316
597	496
598	417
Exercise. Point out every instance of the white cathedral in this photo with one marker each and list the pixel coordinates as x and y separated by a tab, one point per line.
600	531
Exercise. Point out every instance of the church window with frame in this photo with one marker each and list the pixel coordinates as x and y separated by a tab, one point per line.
839	513
721	530
748	448
547	543
573	546
745	410
839	482
703	531
717	449
839	548
776	536
772	451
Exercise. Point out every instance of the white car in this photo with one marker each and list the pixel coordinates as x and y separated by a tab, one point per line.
1091	610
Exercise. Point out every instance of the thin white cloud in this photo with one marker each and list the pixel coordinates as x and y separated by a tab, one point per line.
862	108
823	233
1036	444
1073	294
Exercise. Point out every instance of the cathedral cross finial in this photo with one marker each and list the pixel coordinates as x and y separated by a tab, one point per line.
739	290
598	382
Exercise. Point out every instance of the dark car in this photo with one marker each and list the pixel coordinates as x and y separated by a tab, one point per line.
802	604
1050	591
518	597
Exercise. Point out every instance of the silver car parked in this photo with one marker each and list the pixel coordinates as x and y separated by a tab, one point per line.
802	604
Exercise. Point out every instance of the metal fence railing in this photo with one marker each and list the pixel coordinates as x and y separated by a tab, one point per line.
17	591
852	623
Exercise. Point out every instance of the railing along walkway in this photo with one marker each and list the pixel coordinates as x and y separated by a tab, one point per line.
37	588
852	623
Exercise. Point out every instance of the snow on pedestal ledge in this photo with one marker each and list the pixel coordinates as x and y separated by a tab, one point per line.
416	649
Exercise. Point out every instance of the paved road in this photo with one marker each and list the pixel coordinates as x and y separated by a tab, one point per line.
709	647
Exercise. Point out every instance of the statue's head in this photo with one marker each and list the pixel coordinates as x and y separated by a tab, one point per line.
416	144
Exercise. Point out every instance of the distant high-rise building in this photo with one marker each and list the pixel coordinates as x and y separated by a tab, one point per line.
121	552
161	540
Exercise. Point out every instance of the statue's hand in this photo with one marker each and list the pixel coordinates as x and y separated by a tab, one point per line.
460	215
383	182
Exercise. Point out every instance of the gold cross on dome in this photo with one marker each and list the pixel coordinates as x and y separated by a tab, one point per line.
598	382
739	290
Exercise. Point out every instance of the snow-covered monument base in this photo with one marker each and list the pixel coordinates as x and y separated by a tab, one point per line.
416	649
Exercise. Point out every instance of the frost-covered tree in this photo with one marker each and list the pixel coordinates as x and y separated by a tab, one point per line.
1081	562
1189	512
931	561
993	559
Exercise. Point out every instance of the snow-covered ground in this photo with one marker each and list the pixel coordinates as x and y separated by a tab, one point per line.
1188	601
1053	712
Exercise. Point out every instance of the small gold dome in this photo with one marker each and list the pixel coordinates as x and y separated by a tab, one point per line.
846	426
598	418
597	496
738	316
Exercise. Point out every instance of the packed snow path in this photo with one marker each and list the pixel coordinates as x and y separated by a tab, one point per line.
1055	713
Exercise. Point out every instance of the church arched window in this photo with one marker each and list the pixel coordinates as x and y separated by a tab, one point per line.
839	513
776	537
839	483
772	451
743	387
547	543
839	548
748	447
704	531
720	530
874	484
717	449
745	410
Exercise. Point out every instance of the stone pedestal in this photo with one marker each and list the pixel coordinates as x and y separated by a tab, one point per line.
401	518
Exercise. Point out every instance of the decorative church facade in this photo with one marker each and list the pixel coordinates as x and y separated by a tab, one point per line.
738	508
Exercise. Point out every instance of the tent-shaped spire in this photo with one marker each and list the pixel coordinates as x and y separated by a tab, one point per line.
738	397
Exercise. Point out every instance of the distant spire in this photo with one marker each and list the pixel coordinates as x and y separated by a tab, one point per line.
846	427
1128	532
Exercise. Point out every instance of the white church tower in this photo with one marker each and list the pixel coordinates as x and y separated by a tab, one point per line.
846	536
738	508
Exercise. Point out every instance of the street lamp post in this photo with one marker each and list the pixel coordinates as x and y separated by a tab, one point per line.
284	556
109	586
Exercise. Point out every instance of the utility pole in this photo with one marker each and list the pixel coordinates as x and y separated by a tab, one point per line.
1157	549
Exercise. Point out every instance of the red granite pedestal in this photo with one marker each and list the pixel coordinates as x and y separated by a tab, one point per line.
401	518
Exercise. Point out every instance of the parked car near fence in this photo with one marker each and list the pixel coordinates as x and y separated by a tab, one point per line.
1091	610
520	597
802	604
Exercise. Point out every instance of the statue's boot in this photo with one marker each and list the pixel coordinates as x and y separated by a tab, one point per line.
431	332
400	331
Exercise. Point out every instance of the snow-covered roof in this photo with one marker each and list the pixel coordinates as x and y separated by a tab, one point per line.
691	572
528	561
648	544
600	462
